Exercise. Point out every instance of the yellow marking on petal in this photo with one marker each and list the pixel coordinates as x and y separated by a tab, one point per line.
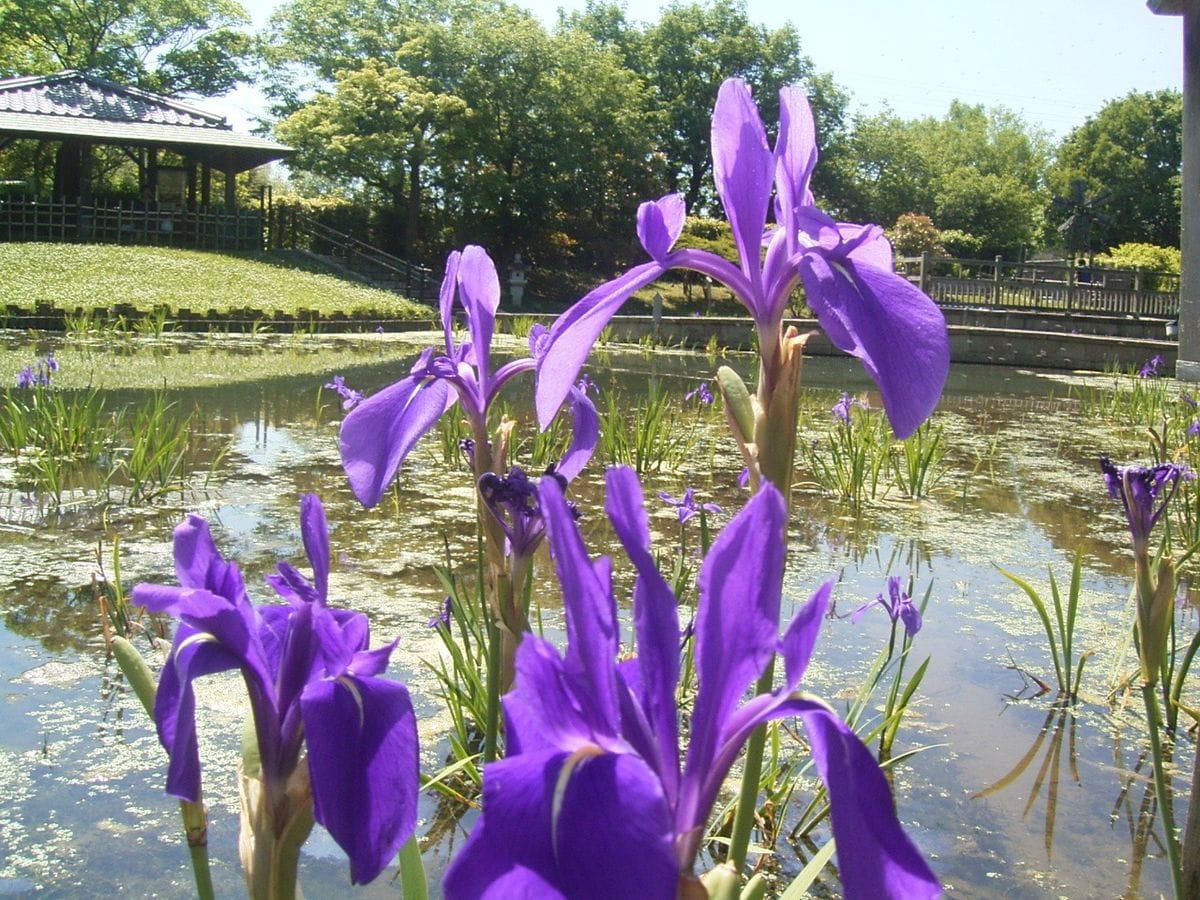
349	685
560	788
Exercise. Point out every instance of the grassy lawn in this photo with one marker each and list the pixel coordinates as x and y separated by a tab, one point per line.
98	276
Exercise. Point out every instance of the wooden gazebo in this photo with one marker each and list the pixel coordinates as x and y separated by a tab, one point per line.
175	206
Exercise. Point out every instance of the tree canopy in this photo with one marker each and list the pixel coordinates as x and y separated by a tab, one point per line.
1131	151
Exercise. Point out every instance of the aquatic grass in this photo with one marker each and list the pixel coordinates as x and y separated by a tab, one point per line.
1059	631
154	462
1128	398
652	438
917	460
854	460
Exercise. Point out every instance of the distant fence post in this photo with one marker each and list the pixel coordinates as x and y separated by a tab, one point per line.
1070	286
998	263
923	272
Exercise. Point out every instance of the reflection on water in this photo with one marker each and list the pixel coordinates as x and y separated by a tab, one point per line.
81	773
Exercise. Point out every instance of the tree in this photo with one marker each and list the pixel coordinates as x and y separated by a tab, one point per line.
1131	149
168	46
685	57
378	126
974	170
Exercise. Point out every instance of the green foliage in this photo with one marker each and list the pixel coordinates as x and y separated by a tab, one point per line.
1132	149
1134	255
1060	632
167	46
655	436
974	170
918	459
854	460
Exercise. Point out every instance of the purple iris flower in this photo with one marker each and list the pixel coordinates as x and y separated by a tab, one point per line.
512	498
350	397
1152	367
701	392
1194	428
847	271
381	431
38	374
1145	493
686	506
314	693
898	605
593	799
842	409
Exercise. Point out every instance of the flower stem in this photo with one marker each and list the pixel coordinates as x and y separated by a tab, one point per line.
747	806
1162	788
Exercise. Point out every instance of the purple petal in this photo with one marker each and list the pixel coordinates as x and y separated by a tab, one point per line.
585	825
869	245
798	641
743	168
588	604
315	531
542	711
380	432
585	434
897	332
613	831
479	290
514	831
191	656
656	623
876	859
198	563
575	331
795	155
362	758
659	224
737	619
446	298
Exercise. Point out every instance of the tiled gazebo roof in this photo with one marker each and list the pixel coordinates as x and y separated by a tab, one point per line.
72	105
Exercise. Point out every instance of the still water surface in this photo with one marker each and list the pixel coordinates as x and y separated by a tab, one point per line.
1011	797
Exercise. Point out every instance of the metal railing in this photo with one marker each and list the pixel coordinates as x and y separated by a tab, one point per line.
291	230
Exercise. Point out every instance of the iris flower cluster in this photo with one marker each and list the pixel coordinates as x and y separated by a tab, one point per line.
335	741
597	797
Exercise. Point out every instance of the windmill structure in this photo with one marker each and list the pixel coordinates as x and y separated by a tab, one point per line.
1083	214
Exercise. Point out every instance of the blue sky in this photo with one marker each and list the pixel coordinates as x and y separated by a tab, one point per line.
1053	61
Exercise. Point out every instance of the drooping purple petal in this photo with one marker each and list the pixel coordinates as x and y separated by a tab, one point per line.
864	310
575	331
191	656
743	169
876	859
362	759
380	432
613	832
198	563
659	224
514	832
585	434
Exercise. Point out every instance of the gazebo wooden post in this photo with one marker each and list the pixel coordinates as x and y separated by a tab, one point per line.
205	186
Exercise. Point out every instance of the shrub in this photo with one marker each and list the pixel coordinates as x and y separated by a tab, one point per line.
914	234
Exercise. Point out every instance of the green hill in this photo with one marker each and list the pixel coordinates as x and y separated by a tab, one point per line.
98	276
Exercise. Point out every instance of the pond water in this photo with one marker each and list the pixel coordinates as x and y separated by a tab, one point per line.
1010	795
